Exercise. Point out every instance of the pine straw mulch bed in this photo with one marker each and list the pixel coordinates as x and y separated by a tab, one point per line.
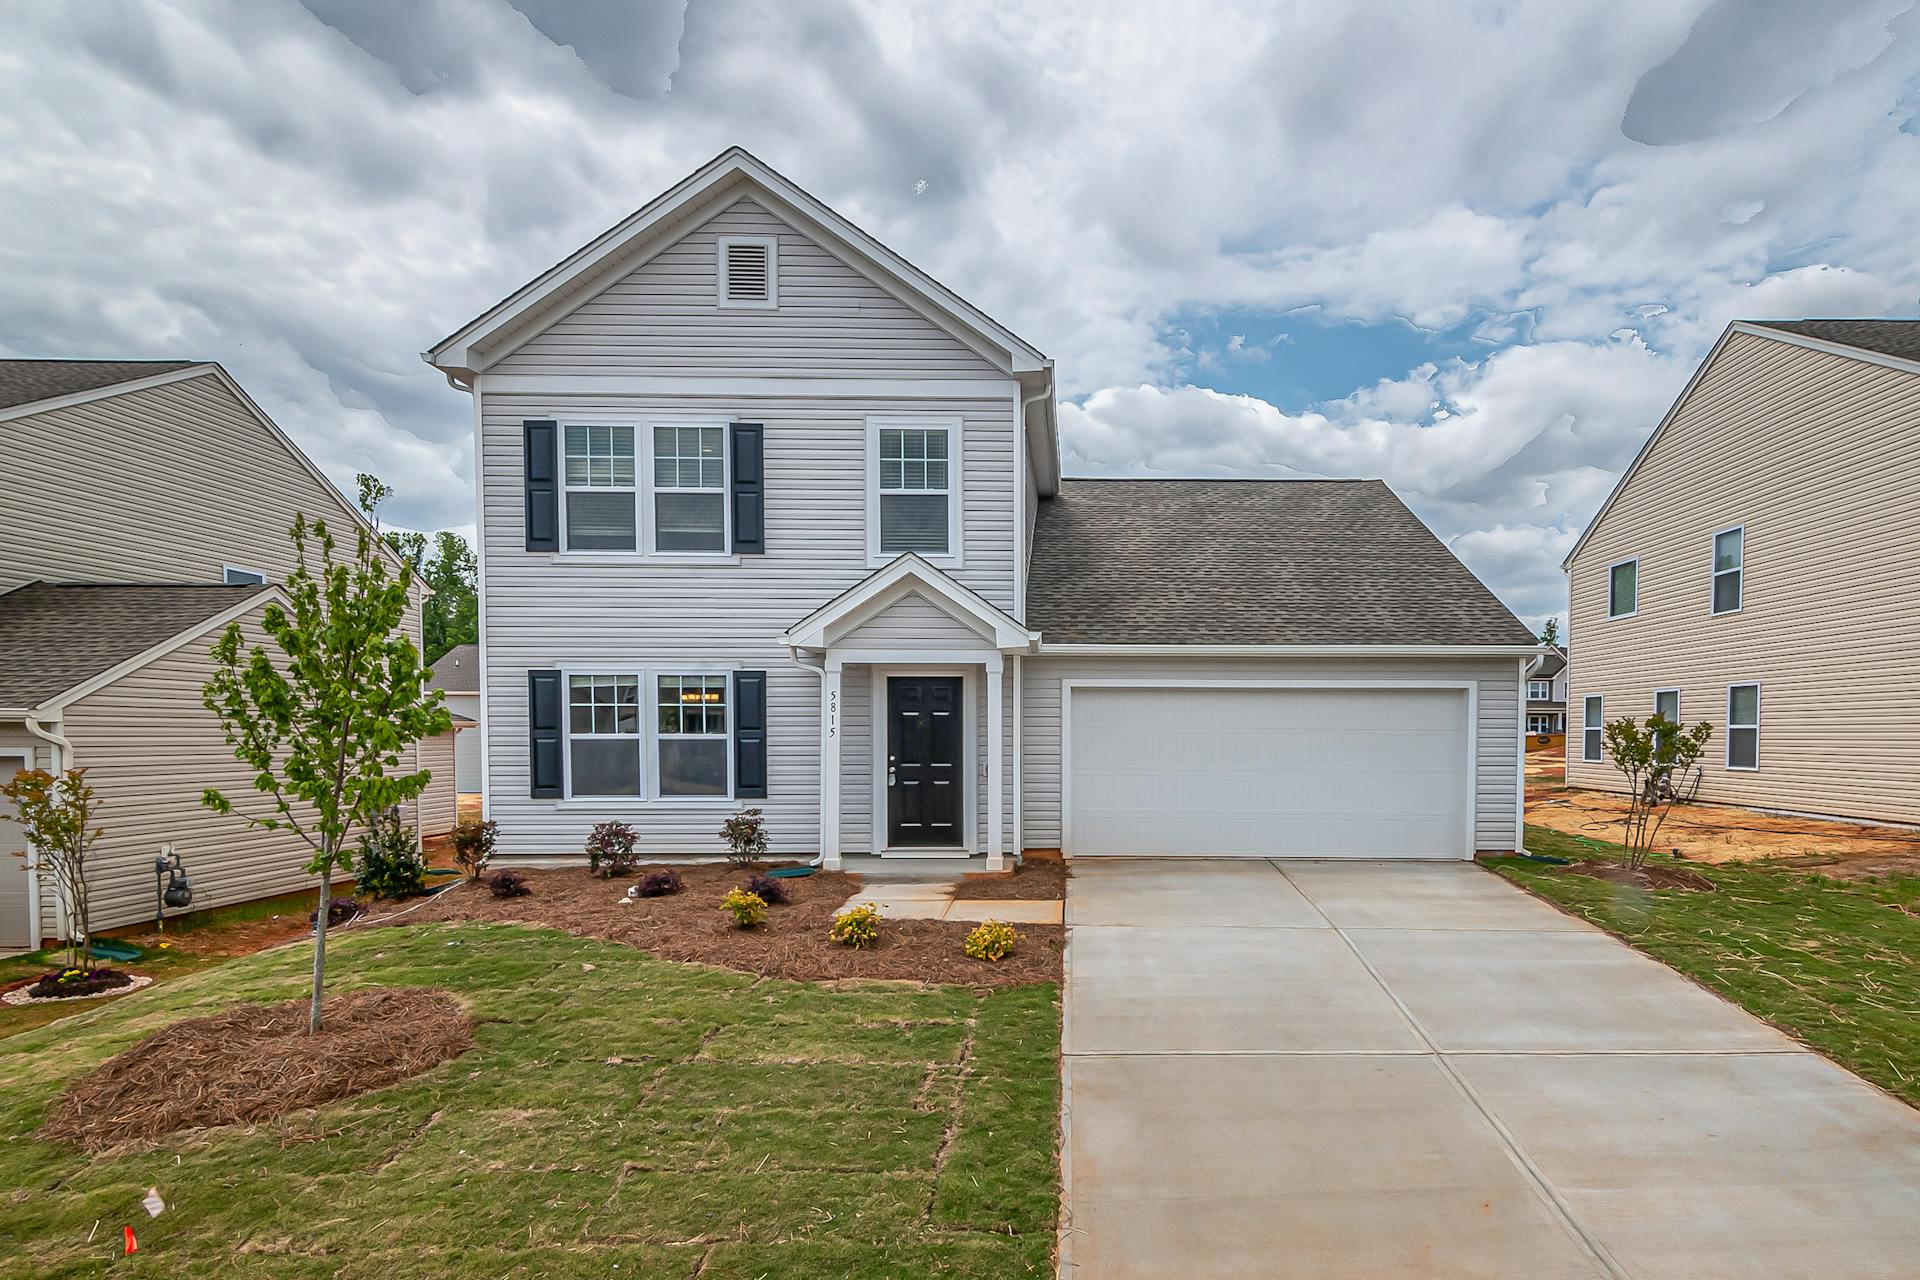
255	1062
1032	881
690	926
1645	877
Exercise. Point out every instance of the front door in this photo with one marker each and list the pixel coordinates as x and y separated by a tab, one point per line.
926	787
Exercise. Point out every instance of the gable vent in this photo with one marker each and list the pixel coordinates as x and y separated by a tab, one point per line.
747	273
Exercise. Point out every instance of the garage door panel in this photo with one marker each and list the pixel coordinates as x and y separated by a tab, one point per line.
1268	772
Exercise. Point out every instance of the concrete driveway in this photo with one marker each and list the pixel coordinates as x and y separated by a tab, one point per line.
1375	1070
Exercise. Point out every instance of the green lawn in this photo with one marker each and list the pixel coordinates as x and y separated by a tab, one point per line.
638	1119
1831	962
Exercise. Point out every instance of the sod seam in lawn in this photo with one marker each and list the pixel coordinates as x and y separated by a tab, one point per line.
616	1109
1830	962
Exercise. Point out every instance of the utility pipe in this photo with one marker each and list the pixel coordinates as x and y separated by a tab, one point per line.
62	761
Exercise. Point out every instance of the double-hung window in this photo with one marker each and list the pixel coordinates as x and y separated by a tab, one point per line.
1623	589
915	484
689	488
1743	726
600	492
603	729
693	735
1592	726
1729	569
1539	690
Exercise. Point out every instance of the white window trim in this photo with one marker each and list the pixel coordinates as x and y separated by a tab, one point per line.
1585	728
648	674
772	300
1713	574
609	671
956	477
639	515
1540	697
226	570
643	493
1755	726
653	490
1540	723
1635	562
1677	701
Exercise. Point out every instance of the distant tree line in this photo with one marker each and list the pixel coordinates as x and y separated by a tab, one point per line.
447	566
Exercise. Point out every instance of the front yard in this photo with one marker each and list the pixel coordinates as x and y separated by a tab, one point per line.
619	1116
1831	962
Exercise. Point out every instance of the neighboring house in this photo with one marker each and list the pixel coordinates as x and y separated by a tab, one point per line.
454	756
1754	568
769	517
144	505
1547	701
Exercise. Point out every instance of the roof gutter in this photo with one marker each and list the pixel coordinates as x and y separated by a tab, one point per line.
1289	650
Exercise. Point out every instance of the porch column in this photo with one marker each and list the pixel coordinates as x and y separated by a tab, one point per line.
996	767
830	765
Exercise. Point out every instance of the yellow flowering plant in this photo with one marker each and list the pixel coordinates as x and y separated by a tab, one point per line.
857	928
992	940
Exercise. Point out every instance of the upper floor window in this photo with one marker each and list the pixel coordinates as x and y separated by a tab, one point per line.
914	483
1623	589
1729	569
690	488
1743	726
600	492
749	272
235	576
1539	690
1592	726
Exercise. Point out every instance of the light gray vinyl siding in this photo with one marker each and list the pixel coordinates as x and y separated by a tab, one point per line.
912	622
1497	729
664	318
149	747
437	806
168	484
615	612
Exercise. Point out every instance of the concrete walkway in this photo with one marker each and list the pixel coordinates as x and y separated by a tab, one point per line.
1379	1070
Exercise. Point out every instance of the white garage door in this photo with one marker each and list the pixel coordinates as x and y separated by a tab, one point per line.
1293	773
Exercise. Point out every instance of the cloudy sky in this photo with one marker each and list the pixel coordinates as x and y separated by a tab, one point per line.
1472	248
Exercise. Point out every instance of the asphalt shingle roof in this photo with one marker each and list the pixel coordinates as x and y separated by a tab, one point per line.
25	381
457	670
54	636
1899	338
1251	562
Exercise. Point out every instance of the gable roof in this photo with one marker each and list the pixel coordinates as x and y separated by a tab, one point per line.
457	670
56	637
29	381
908	575
620	248
1552	663
1252	563
1893	344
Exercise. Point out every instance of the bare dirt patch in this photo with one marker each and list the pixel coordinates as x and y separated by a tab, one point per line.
1715	833
254	1062
1032	881
1646	877
690	926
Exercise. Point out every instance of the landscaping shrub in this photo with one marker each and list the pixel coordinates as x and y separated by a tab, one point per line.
610	849
507	884
746	836
78	982
658	884
749	909
992	940
472	842
339	911
770	890
391	865
858	928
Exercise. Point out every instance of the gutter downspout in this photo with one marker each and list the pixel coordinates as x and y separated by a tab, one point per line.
793	656
1020	514
62	761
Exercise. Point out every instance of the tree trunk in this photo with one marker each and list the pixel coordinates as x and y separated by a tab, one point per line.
320	948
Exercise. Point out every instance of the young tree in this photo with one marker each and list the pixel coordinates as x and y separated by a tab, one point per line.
1658	761
325	722
57	813
1550	634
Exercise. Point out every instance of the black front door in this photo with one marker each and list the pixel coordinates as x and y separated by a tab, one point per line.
926	787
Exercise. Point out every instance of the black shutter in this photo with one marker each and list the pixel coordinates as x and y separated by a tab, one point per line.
747	489
543	485
750	735
546	754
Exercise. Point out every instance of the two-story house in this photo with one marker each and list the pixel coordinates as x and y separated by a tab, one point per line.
1753	568
769	517
1547	701
144	506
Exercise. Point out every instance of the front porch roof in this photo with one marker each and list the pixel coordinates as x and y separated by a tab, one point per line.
908	573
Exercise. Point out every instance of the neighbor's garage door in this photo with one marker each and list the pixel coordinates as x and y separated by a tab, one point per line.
1377	773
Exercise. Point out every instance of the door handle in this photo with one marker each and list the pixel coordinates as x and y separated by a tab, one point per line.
890	777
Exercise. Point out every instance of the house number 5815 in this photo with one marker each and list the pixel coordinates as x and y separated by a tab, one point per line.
833	714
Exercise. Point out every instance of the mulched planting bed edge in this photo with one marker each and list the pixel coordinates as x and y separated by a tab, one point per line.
1032	881
1647	877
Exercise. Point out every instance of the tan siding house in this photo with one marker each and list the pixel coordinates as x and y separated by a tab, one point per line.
1760	563
114	582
